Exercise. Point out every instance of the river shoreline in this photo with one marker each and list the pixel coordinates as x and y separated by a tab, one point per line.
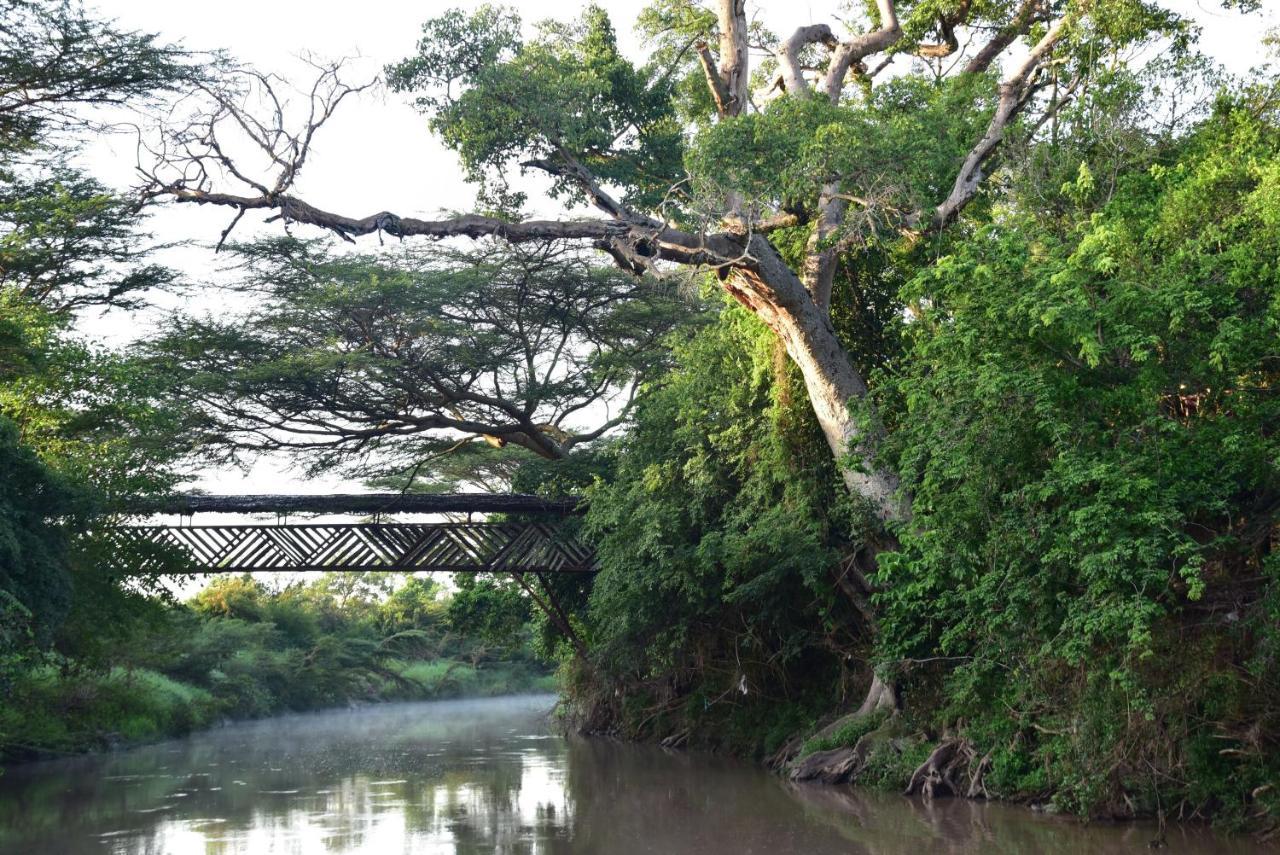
188	713
785	763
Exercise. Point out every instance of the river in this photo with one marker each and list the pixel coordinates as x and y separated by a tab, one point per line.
487	776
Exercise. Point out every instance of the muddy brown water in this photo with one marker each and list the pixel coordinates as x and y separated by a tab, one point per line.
489	776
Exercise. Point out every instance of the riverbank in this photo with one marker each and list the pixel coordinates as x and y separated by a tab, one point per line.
243	649
898	754
50	712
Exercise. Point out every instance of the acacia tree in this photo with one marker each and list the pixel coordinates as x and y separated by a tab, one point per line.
773	177
417	354
66	240
79	431
58	64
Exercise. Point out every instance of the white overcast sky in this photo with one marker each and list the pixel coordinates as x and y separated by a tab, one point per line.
376	154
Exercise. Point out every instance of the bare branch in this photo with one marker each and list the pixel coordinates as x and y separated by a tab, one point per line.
570	168
222	239
226	119
788	54
719	92
1015	91
1062	99
293	210
1021	22
784	220
859	47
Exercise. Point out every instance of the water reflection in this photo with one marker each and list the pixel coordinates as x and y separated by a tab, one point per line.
478	776
483	776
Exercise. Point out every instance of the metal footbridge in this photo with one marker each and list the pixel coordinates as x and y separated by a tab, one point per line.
530	538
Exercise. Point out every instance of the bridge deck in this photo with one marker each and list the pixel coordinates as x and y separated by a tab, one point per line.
363	503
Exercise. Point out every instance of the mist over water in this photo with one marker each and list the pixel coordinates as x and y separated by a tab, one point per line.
488	776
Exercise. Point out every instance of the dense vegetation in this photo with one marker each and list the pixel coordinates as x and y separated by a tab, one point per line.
1086	600
238	649
1061	359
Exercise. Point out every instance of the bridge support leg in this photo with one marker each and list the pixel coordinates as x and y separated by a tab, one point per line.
551	608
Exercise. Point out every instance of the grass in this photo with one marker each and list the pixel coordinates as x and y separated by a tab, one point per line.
845	736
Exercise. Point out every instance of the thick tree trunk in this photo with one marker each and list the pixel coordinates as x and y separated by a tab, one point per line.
880	696
833	384
734	62
777	296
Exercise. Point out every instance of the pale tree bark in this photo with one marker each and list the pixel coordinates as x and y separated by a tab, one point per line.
853	51
735	67
777	296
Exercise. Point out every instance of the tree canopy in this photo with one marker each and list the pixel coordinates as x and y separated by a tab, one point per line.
406	358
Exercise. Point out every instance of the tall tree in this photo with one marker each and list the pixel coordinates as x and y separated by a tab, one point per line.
77	423
773	178
417	354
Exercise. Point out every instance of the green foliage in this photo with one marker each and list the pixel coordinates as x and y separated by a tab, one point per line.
33	546
715	536
895	152
415	605
670	28
82	434
1088	429
567	94
67	241
892	762
847	735
346	354
52	710
65	60
491	610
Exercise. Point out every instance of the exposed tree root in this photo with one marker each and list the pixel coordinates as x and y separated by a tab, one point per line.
880	696
941	773
844	764
790	749
836	766
977	778
676	740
